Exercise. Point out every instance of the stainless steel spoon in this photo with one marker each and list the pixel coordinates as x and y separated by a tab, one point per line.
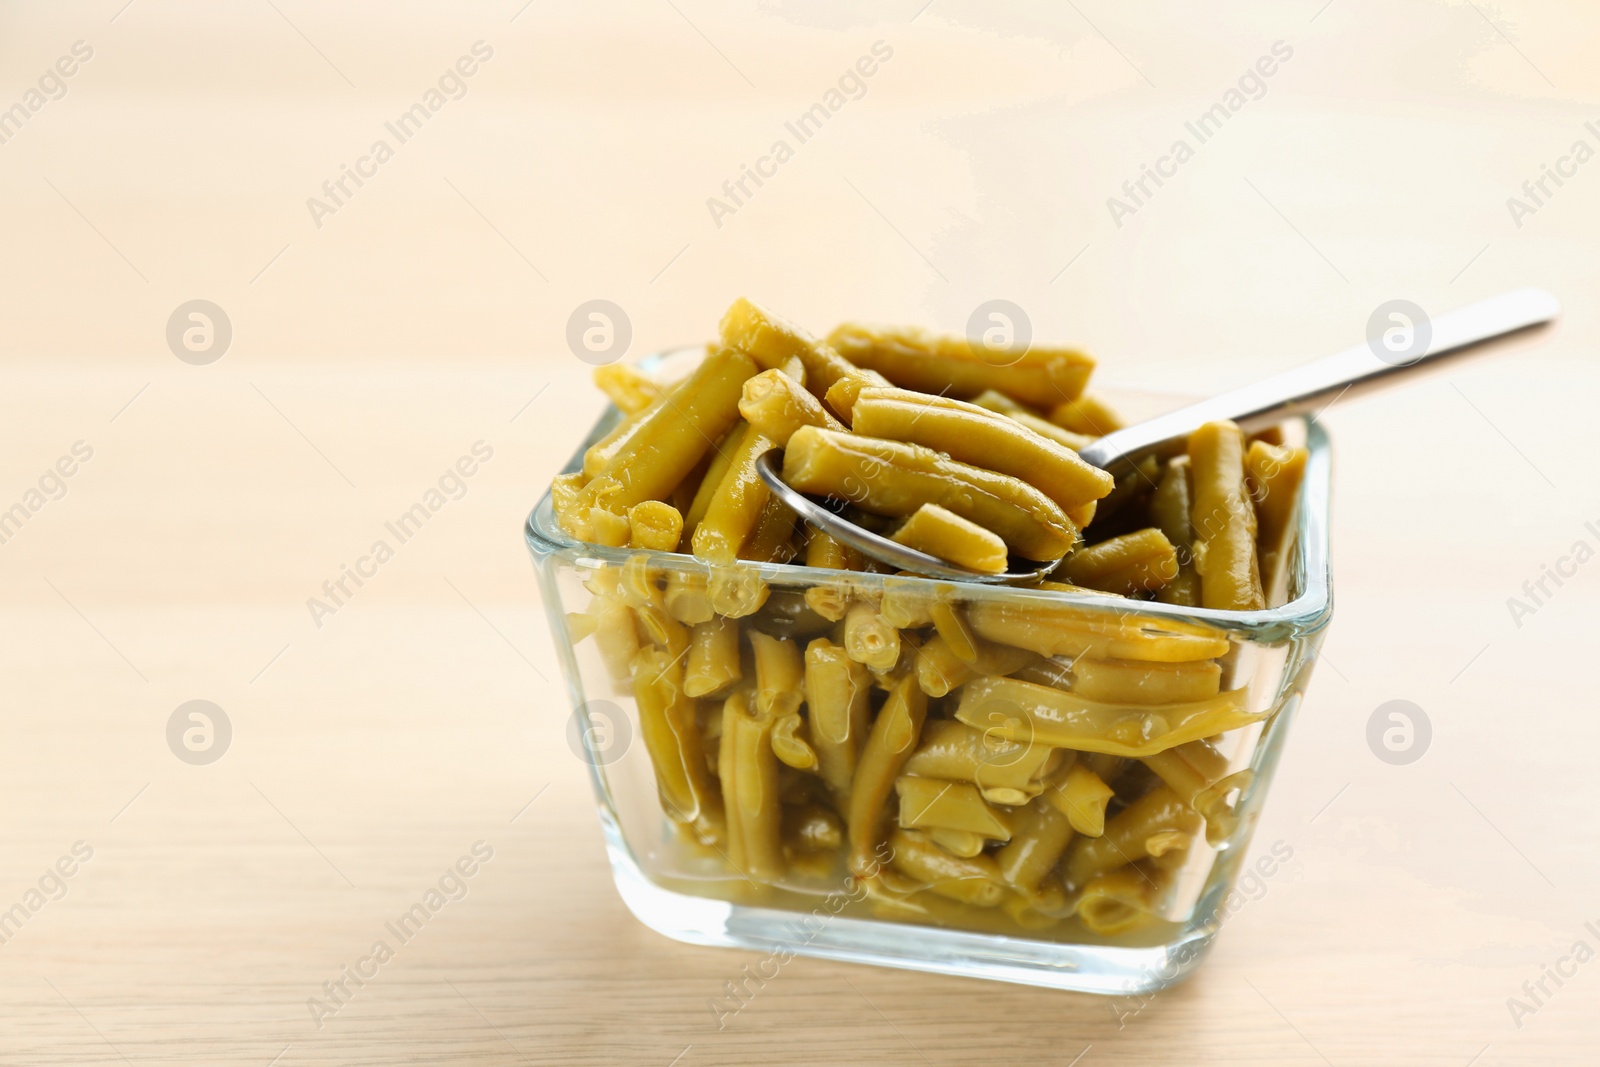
1309	388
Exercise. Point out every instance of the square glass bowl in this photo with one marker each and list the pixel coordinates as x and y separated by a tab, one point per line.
772	870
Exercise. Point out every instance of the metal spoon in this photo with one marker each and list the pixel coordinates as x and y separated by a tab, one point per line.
1309	388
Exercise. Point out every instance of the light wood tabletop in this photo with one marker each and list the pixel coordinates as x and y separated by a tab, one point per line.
388	310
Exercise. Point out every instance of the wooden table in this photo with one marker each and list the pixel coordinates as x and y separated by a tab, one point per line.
372	746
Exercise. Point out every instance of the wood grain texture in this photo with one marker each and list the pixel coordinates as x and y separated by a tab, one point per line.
374	746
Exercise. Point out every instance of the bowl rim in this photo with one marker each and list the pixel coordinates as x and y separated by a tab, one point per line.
1307	613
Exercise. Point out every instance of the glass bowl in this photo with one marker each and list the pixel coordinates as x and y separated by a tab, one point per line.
762	865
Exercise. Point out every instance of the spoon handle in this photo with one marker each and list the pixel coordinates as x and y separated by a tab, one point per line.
1316	385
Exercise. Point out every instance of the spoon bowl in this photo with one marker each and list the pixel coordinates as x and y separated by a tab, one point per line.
770	466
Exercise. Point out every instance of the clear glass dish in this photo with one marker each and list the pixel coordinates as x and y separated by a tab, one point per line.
1151	932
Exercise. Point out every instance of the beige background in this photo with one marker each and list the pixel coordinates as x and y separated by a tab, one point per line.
429	313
